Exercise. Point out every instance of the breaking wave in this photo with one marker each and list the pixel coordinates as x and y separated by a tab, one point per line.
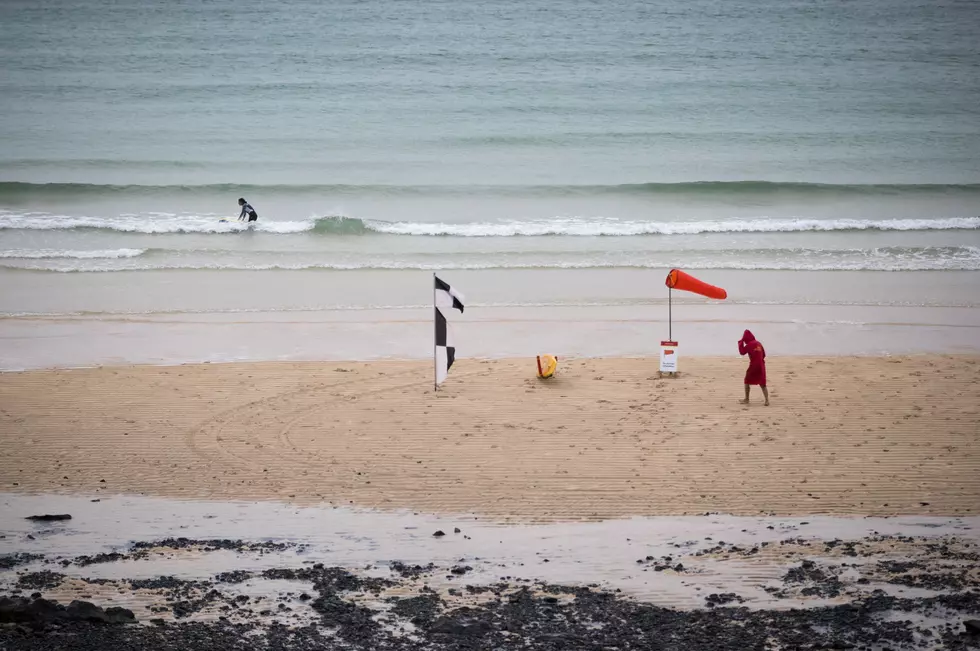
948	258
606	228
57	254
21	191
558	226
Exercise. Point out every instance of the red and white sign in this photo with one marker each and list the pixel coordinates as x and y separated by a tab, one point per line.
668	356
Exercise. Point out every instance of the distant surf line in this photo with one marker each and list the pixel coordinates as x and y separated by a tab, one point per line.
884	264
558	226
21	190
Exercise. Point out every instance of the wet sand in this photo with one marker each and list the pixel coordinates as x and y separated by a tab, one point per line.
606	438
65	320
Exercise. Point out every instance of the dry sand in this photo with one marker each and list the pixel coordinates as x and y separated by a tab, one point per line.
605	438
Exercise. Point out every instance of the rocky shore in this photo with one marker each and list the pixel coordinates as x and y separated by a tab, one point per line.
865	599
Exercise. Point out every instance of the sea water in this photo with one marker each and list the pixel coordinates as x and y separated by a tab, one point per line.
538	155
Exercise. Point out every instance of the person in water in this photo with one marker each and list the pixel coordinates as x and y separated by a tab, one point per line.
247	211
756	373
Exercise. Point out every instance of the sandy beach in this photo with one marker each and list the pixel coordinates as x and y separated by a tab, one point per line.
240	240
604	439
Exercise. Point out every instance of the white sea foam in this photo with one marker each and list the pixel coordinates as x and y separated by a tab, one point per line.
869	264
161	223
151	224
602	227
57	254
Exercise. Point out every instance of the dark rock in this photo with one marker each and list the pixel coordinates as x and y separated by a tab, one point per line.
9	561
117	615
972	626
237	576
85	611
460	627
185	608
43	580
214	545
100	558
456	530
165	583
927	574
419	610
439	534
817	581
328	579
49	518
38	612
354	622
410	571
44	613
714	599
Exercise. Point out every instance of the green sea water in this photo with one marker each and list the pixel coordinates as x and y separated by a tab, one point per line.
503	142
498	92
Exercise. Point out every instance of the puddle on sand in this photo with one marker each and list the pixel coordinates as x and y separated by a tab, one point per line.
604	553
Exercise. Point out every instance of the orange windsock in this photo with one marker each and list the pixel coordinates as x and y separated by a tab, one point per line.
677	279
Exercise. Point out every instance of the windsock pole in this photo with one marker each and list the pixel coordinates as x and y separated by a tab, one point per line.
435	344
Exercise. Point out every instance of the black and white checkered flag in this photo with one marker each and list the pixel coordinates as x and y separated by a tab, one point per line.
445	297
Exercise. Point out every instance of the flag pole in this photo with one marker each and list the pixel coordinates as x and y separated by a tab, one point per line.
670	313
435	357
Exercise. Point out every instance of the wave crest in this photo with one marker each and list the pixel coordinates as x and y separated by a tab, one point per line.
58	254
611	228
961	258
558	226
22	191
149	224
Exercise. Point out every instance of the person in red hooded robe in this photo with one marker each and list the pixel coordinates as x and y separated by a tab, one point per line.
756	373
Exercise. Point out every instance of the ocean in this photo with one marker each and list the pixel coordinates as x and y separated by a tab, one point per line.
552	159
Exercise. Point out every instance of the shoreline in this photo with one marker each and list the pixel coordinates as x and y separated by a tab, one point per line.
87	320
121	365
383	336
605	439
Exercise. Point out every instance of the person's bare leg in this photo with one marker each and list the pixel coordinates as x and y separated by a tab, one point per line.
746	401
765	393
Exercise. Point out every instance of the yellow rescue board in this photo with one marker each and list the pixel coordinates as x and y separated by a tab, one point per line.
547	365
